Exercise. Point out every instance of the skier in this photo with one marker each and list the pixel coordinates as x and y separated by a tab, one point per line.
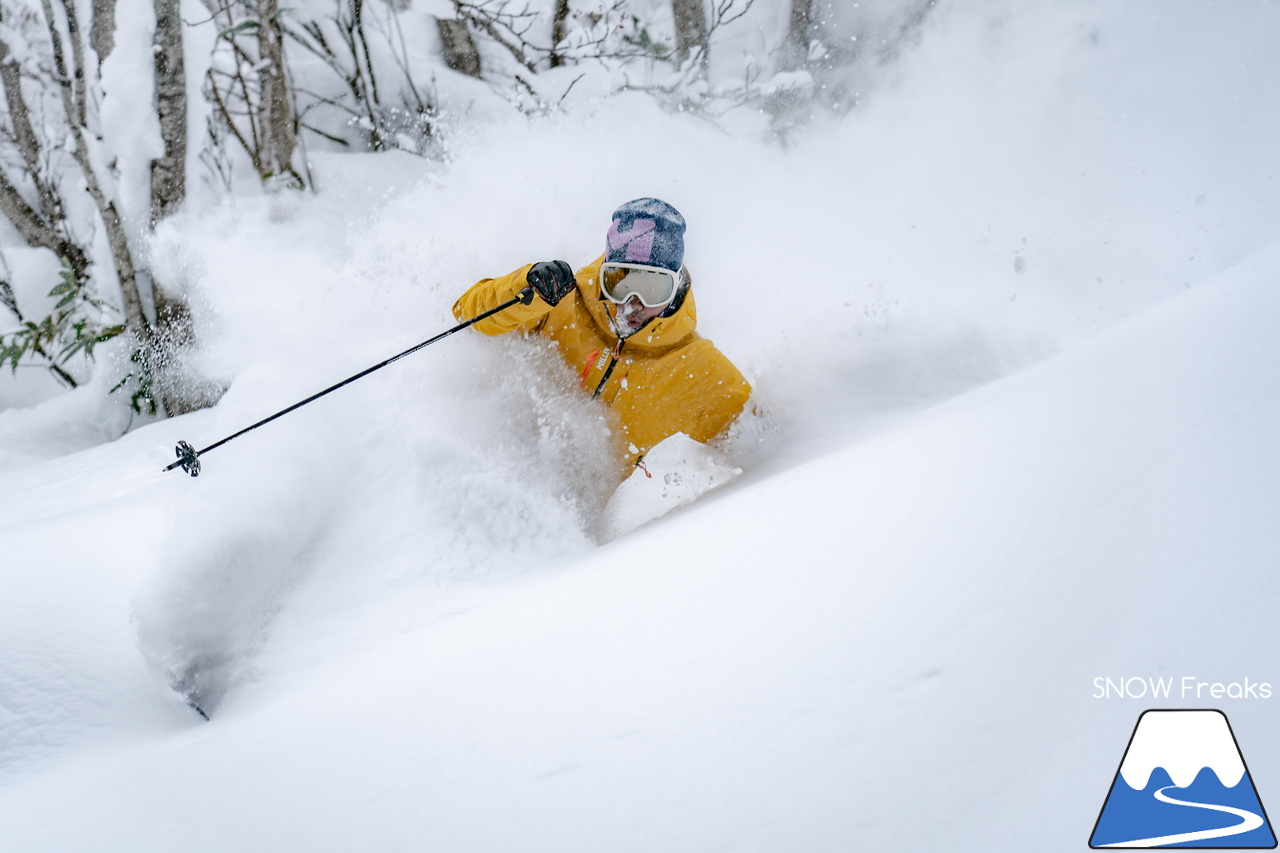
625	325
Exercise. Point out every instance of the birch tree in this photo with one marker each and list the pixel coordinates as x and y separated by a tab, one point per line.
169	171
59	150
279	137
31	196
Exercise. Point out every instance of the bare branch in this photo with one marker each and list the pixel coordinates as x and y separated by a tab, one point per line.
506	28
357	15
251	150
59	62
77	59
318	132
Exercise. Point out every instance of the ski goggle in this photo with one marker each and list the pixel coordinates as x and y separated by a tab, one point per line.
653	286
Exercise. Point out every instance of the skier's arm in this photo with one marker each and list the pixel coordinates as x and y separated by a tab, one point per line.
550	280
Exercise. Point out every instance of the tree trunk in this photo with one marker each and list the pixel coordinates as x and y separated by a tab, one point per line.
559	31
38	233
460	52
102	32
169	187
795	52
279	138
169	172
691	32
24	134
72	105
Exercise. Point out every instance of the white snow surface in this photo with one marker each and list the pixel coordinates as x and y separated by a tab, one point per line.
1012	330
1183	743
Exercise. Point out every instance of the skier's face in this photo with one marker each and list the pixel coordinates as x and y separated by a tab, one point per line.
630	316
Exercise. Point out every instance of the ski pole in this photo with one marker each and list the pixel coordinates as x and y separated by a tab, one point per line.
189	457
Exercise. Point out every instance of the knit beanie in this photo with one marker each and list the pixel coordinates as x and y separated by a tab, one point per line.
647	231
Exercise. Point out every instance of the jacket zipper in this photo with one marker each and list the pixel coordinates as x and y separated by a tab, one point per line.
608	371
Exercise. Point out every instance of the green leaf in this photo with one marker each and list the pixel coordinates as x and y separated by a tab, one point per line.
69	350
14	352
242	27
99	337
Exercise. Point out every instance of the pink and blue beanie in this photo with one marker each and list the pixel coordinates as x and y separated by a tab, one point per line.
647	231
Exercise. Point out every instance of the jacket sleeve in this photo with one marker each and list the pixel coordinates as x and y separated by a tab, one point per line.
708	392
492	292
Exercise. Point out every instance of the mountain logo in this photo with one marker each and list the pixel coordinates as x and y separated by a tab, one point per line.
1183	783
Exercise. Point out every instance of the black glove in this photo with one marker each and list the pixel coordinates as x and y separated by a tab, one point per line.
551	279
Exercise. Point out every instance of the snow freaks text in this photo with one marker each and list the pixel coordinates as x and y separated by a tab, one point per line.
1186	687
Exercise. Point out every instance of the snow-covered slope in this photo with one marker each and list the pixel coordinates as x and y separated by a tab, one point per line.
905	629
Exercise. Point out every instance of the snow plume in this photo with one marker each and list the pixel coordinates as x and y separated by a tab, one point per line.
234	547
474	459
1021	179
509	464
469	473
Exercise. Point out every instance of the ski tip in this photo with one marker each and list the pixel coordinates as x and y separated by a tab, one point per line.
197	709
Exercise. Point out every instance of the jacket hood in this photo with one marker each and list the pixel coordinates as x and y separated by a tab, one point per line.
659	333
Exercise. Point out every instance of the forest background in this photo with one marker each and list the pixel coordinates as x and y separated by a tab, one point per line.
120	116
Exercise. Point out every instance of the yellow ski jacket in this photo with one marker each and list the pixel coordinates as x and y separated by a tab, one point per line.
667	378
